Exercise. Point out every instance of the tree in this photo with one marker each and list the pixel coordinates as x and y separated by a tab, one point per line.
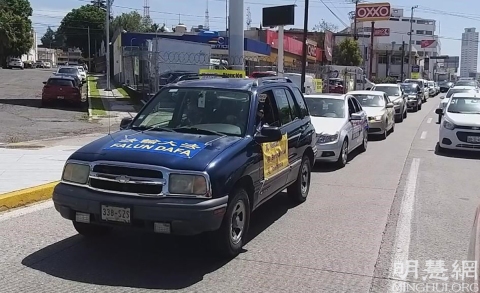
48	38
101	3
131	21
347	53
323	26
74	27
15	28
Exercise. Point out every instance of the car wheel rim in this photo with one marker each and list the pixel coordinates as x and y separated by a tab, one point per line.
305	180
344	152
238	222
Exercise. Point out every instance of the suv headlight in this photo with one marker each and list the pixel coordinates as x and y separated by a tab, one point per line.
76	173
185	184
448	125
326	138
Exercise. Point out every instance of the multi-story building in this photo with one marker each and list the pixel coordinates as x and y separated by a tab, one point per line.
31	55
469	54
392	36
71	56
47	55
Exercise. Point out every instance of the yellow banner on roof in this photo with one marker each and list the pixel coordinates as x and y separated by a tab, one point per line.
222	72
415	75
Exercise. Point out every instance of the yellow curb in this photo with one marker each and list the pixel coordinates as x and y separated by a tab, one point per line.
26	196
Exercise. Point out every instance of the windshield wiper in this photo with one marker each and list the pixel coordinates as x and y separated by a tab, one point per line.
198	130
152	128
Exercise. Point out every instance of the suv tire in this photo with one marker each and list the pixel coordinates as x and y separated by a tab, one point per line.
89	230
237	217
298	191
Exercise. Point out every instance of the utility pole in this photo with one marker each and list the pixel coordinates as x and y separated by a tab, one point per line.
89	53
304	48
355	35
107	45
402	74
409	73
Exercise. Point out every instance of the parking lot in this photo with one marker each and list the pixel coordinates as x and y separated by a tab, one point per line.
23	119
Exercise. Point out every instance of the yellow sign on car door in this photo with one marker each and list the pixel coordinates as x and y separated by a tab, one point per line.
275	156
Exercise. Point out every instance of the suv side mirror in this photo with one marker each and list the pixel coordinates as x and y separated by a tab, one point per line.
125	122
355	117
389	105
439	111
44	82
268	134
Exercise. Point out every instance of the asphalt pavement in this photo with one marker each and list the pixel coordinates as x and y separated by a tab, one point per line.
398	201
22	117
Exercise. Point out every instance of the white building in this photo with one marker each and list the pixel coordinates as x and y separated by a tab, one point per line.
469	55
32	53
388	39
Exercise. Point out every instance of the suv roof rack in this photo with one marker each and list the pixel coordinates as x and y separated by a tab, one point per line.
267	79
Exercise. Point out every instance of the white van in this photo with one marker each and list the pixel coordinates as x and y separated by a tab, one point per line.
296	79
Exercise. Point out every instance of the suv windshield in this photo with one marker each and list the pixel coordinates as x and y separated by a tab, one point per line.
464	105
410	89
389	90
370	100
419	82
456	91
68	70
466	83
216	110
326	107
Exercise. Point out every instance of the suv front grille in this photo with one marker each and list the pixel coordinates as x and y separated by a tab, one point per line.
127	180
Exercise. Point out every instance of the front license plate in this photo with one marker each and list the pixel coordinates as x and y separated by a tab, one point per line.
60	97
473	139
115	214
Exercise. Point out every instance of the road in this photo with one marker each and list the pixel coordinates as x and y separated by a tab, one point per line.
345	238
23	119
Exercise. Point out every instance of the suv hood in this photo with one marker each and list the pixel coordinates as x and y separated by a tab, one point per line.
464	119
167	149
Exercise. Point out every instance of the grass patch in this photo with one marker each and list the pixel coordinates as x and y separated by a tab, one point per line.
122	92
95	100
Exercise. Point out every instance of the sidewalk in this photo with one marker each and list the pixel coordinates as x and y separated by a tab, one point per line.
116	103
25	167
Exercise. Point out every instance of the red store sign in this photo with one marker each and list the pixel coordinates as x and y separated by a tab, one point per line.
290	45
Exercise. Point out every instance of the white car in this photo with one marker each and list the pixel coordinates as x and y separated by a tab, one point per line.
82	72
15	63
432	91
397	97
71	71
451	91
296	79
341	126
460	126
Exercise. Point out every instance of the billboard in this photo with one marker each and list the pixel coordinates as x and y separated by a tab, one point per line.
278	15
328	45
373	11
381	32
428	43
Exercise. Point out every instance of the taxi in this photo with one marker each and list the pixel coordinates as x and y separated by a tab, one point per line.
200	156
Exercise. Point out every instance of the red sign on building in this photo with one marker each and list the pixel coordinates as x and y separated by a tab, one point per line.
381	32
290	45
373	11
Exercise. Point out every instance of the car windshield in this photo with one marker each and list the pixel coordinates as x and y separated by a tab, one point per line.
466	83
60	82
68	70
196	109
409	89
370	100
456	91
431	84
326	107
464	105
419	82
389	90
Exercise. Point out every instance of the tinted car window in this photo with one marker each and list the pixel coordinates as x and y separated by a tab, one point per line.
456	91
68	70
326	107
301	103
60	82
466	83
293	106
283	106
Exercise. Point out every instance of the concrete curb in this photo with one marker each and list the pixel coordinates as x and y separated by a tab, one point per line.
26	196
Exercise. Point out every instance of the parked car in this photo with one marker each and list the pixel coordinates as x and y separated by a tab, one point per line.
397	97
63	89
445	86
340	124
414	96
83	73
460	127
15	63
379	109
422	84
432	91
199	157
454	90
70	71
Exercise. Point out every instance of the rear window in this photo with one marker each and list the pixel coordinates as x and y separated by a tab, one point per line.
68	70
60	82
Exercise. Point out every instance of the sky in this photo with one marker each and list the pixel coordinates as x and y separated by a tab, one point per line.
452	16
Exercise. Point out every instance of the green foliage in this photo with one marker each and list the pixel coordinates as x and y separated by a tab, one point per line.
347	53
101	3
74	27
48	38
15	28
134	22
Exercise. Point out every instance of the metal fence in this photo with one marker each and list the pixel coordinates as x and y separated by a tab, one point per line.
143	70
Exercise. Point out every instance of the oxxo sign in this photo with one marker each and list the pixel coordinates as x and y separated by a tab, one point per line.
373	11
311	50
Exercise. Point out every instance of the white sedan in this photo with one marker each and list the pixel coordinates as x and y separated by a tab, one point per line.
460	126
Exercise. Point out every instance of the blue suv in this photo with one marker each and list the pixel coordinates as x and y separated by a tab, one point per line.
199	157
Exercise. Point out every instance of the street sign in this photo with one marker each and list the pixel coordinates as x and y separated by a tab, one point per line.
373	11
416	68
381	32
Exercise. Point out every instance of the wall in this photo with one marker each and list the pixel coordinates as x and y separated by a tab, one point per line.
117	59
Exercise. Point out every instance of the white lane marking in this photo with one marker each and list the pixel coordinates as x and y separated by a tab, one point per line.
25	211
423	135
404	223
429	120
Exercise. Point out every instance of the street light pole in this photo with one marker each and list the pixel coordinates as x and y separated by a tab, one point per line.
409	72
304	48
89	52
107	44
